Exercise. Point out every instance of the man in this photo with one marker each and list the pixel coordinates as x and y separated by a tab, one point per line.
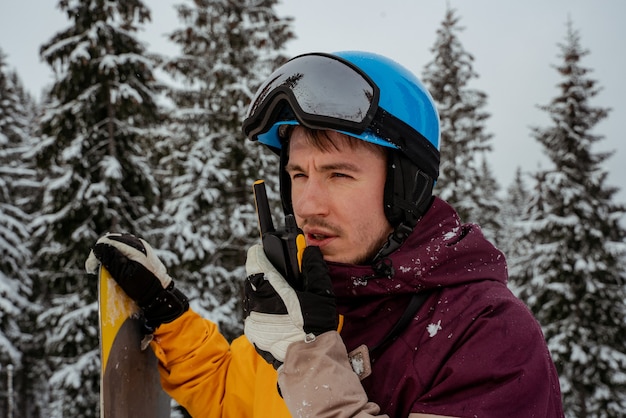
401	310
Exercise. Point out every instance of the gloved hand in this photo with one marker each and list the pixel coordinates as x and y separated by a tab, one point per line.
276	314
139	272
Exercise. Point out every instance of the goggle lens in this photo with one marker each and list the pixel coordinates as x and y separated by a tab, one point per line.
323	92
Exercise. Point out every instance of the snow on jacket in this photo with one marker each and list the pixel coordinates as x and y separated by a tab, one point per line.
471	350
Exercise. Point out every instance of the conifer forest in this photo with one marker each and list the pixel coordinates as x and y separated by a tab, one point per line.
131	140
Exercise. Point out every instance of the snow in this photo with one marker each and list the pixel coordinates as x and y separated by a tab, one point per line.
125	91
111	167
433	329
81	52
578	354
357	365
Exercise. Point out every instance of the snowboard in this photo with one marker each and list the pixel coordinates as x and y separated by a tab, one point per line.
129	378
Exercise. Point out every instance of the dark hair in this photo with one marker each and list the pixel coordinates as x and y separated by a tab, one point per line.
321	139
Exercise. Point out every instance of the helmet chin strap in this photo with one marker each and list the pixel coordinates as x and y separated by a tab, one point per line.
394	241
380	263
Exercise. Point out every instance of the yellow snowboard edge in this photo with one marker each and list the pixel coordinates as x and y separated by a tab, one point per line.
114	308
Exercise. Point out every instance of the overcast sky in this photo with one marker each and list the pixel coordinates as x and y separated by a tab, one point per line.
514	45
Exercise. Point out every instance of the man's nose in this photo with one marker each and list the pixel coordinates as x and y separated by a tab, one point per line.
311	199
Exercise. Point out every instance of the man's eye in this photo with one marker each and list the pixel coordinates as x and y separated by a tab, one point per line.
341	175
297	175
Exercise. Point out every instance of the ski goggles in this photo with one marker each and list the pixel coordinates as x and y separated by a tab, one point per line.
323	92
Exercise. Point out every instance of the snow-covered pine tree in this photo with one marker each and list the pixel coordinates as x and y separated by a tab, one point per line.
93	158
573	275
227	48
16	175
464	139
486	195
513	212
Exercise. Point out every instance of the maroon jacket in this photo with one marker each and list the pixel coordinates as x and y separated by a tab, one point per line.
472	349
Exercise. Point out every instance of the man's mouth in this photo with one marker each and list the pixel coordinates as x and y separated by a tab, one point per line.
319	234
318	238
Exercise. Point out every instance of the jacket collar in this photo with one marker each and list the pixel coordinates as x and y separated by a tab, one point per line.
440	252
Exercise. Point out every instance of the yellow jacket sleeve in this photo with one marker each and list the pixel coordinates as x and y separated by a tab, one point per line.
211	378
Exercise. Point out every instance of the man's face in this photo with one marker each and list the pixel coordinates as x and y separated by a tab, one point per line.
337	196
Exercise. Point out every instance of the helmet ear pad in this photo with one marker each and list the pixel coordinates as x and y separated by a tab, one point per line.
408	190
285	180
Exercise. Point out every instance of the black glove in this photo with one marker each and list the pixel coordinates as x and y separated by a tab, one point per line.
143	277
276	314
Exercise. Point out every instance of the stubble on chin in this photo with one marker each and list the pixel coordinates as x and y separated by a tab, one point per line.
368	256
369	252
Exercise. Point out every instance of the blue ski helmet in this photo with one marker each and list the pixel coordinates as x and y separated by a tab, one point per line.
366	96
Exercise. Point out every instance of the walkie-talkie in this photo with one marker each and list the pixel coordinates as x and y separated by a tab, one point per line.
283	247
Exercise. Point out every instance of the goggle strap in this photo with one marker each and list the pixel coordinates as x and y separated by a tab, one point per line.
409	141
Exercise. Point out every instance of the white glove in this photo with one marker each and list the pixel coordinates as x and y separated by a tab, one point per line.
276	314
